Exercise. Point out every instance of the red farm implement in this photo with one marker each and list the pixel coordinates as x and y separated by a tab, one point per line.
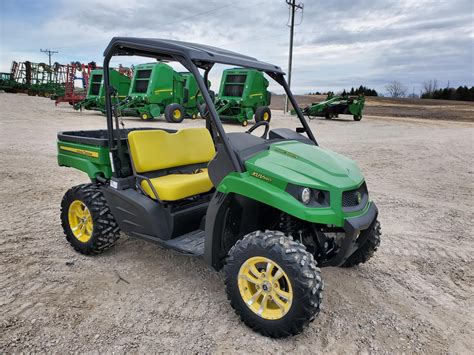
71	95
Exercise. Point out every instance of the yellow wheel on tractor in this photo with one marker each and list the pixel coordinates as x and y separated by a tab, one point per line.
273	283
145	116
174	113
263	113
245	123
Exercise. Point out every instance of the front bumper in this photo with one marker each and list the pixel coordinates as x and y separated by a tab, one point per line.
357	230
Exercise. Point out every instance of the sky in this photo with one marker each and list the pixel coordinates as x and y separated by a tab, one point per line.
337	44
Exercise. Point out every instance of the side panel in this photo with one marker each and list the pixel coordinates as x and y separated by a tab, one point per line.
138	215
93	160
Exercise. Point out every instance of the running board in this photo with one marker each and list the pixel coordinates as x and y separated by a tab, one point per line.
191	243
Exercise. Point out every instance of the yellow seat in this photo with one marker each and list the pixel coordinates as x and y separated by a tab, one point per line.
154	150
177	186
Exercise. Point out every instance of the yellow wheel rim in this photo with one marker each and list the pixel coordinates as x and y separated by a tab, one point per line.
245	123
177	114
145	116
266	116
80	221
265	288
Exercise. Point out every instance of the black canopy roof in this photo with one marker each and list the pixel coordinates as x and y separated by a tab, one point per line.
198	53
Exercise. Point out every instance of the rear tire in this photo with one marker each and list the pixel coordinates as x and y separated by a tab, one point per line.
367	250
300	280
263	113
105	231
357	118
174	113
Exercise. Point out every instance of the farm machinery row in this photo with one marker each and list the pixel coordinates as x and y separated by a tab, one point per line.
34	79
157	89
55	81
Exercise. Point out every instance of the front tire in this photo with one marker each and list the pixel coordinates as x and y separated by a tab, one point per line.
357	118
86	219
367	250
273	283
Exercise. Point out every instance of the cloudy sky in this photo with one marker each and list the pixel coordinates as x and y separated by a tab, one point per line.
338	44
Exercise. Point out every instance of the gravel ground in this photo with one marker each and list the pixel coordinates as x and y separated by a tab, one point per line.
415	295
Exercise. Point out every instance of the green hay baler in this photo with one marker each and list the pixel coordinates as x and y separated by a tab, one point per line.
95	99
337	105
242	95
157	89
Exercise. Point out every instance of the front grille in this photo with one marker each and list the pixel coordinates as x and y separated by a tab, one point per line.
233	90
236	78
141	86
354	200
143	74
96	78
95	88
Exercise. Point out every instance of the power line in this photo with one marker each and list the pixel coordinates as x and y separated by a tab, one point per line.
293	8
49	53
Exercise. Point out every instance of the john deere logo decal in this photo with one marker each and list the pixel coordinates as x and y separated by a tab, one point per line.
261	176
359	197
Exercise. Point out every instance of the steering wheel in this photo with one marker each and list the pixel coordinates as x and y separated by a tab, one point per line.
258	124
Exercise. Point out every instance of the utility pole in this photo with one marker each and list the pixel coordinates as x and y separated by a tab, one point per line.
49	53
294	7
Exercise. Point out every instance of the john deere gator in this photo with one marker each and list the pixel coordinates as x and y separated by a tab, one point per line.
95	99
158	89
268	209
242	95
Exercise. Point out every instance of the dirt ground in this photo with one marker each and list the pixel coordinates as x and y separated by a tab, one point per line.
390	107
415	295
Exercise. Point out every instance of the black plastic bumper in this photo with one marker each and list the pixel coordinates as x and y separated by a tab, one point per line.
357	231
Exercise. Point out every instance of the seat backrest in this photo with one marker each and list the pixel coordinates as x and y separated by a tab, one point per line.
153	150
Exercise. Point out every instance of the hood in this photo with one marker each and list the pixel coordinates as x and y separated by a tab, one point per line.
305	165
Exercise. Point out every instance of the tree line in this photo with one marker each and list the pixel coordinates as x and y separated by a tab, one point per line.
430	90
361	90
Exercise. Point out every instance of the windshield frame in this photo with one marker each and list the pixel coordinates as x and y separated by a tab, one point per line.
193	65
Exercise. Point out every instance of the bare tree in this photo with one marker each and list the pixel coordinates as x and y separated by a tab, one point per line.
396	89
429	87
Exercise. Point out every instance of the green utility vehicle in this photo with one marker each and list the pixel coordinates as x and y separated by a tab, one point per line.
95	98
334	106
158	89
242	95
266	209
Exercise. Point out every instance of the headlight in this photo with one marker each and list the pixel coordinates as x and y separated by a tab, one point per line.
305	195
309	196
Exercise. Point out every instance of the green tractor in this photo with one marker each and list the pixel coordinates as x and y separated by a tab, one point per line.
242	95
95	98
268	210
157	89
334	106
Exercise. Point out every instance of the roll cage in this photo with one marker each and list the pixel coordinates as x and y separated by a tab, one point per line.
193	57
